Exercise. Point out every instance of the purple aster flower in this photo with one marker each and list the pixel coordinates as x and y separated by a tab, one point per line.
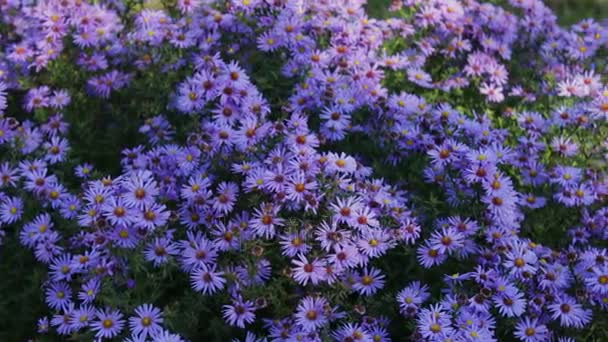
446	240
11	210
6	132
530	330
411	297
61	268
598	280
60	99
239	312
117	212
8	175
108	323
55	126
305	271
43	325
83	316
345	210
152	216
369	282
89	290
434	322
58	295
206	280
36	231
197	251
420	77
310	315
294	244
266	220
159	250
37	98
429	256
124	236
569	312
84	170
227	195
520	259
298	186
141	189
38	181
510	303
147	321
166	336
564	146
341	163
351	332
494	93
64	322
3	103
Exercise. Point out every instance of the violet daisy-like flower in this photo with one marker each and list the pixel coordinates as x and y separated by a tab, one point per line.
294	244
117	212
597	281
569	312
227	195
345	257
265	221
58	295
159	251
429	256
564	146
305	271
520	260
446	240
147	321
206	280
530	330
510	303
43	325
239	313
411	297
494	93
310	315
3	103
83	316
141	189
298	186
369	282
166	336
11	210
108	323
56	150
8	175
6	132
341	163
64	321
351	332
61	268
84	170
374	243
345	210
89	291
197	251
152	216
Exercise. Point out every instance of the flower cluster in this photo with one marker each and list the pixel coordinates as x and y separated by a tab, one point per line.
308	173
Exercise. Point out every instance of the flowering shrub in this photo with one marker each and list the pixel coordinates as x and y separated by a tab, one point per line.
256	170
